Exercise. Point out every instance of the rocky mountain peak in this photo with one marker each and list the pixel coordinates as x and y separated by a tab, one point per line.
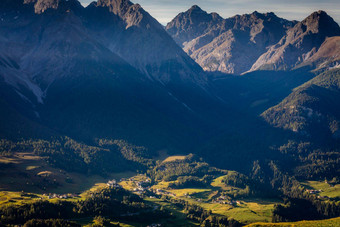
320	21
256	13
267	16
317	15
131	14
270	14
118	7
40	6
219	44
256	16
193	12
300	42
215	16
195	9
131	32
191	24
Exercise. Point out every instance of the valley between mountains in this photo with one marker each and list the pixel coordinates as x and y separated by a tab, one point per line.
109	118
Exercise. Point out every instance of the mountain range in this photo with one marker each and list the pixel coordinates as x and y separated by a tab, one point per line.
250	42
111	71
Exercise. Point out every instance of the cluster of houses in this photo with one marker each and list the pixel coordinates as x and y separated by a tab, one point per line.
312	191
57	196
113	183
141	186
224	200
315	192
323	197
187	195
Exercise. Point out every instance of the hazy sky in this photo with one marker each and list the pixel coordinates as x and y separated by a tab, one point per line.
165	10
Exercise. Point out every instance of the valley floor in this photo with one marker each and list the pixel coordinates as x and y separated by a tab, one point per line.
29	172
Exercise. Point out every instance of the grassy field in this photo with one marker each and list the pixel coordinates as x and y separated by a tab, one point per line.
252	211
326	189
162	185
188	191
217	182
21	198
219	185
335	222
30	173
247	211
174	158
18	198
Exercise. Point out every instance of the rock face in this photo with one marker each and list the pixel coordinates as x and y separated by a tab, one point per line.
52	34
106	70
328	55
113	23
228	45
192	24
300	43
151	50
41	6
44	48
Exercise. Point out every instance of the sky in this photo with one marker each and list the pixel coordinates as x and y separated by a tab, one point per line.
165	10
